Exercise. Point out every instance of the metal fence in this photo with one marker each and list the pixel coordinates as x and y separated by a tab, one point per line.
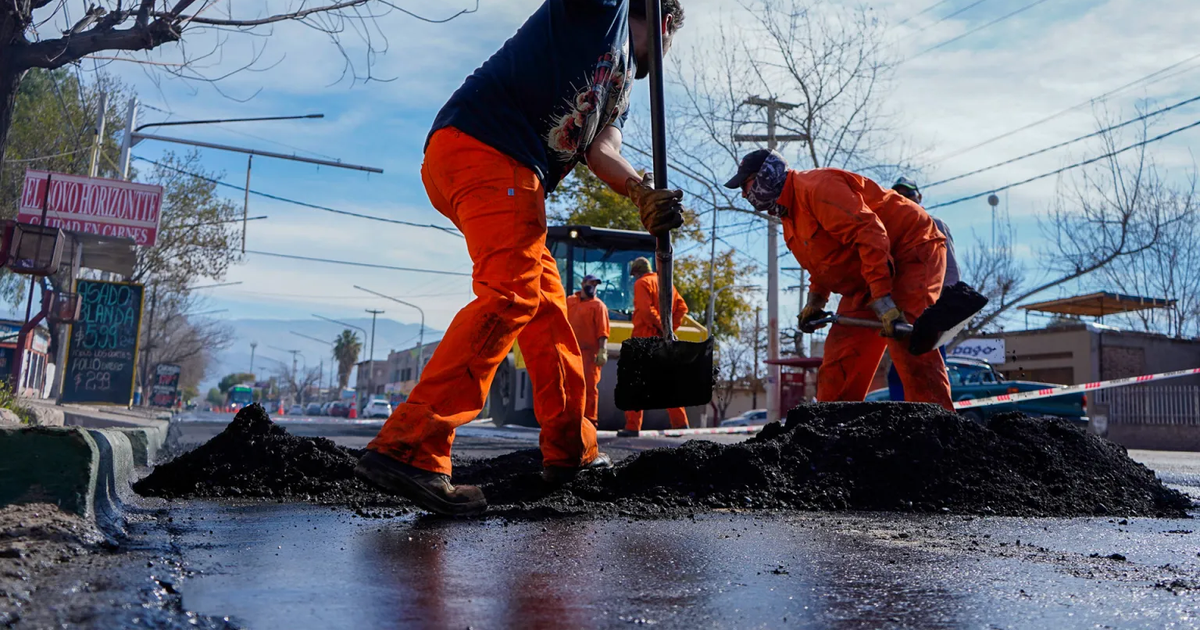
1158	405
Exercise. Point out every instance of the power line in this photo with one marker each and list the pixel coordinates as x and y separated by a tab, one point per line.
955	13
299	203
1067	168
977	29
357	264
922	12
1063	144
1065	111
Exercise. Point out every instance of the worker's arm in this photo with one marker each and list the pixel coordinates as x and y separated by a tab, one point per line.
605	161
659	210
841	211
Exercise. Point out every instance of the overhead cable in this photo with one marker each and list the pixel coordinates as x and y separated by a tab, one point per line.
1065	111
977	29
300	203
1063	144
358	264
1067	168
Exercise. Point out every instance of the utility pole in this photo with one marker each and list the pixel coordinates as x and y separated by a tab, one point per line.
253	345
420	335
295	374
754	392
371	370
772	139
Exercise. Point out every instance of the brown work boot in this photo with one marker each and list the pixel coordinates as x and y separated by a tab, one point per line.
558	475
430	490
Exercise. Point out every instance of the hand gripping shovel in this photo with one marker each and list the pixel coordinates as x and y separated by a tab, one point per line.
661	373
937	326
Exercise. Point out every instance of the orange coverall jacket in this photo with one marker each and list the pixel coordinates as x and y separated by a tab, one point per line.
847	247
647	321
589	320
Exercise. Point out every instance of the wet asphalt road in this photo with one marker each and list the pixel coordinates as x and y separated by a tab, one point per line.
270	565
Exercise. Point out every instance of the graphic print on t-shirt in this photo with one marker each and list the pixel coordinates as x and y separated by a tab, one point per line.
594	107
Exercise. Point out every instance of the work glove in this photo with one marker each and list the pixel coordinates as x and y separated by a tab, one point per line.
602	355
888	313
814	308
660	210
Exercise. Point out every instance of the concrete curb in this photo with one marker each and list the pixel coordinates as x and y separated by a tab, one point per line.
84	471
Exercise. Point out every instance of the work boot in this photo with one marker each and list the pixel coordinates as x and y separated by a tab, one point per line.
558	475
429	490
628	433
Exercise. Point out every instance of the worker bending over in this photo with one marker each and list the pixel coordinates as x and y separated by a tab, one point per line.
555	94
880	251
647	322
588	316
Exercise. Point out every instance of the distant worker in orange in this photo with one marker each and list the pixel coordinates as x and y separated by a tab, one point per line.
879	250
588	316
647	322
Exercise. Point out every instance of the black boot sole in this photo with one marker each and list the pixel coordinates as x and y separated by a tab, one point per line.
403	485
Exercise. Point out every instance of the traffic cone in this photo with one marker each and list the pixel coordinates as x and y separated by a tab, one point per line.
353	415
281	408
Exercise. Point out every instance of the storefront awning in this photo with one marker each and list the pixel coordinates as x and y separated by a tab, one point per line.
1099	304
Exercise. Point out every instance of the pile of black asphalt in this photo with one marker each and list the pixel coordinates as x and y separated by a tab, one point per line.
904	457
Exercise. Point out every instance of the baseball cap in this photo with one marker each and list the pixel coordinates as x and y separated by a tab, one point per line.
588	278
905	182
749	166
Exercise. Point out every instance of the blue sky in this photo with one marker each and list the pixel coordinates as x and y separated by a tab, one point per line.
1053	56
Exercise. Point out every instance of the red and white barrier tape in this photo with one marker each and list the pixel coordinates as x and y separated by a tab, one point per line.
754	428
1071	389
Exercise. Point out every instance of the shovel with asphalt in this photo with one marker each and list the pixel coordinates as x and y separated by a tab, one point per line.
652	372
936	327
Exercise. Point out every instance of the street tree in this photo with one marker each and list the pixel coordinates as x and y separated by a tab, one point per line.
215	397
346	348
50	34
1108	213
178	334
236	378
991	268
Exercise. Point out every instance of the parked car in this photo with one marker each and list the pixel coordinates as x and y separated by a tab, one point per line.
973	378
339	409
749	418
313	409
325	408
295	410
377	409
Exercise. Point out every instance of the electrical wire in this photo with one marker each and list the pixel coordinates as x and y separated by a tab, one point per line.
977	29
1067	168
1063	144
1065	111
956	13
299	203
48	157
922	12
357	264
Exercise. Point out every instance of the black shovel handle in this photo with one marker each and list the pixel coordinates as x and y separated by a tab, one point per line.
658	132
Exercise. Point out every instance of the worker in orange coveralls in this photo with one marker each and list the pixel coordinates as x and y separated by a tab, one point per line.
556	94
647	322
589	319
879	250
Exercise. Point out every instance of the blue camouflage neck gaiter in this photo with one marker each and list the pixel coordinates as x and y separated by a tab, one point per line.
768	185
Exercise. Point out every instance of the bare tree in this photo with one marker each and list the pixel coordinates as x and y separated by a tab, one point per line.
1169	269
175	331
28	38
298	382
734	373
1106	213
992	269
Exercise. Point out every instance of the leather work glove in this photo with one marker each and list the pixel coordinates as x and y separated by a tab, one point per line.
888	313
660	210
602	355
814	308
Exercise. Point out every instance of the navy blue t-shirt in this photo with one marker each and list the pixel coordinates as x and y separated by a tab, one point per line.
546	94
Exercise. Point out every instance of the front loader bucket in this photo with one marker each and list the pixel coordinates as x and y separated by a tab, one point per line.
657	374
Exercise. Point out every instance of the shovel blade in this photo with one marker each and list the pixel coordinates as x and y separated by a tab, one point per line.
942	322
655	374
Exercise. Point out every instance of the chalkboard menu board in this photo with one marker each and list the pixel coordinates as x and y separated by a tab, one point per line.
102	352
166	385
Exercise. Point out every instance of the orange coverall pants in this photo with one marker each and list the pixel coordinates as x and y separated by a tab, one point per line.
852	353
499	206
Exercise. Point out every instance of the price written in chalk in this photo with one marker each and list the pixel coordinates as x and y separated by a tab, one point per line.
102	354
